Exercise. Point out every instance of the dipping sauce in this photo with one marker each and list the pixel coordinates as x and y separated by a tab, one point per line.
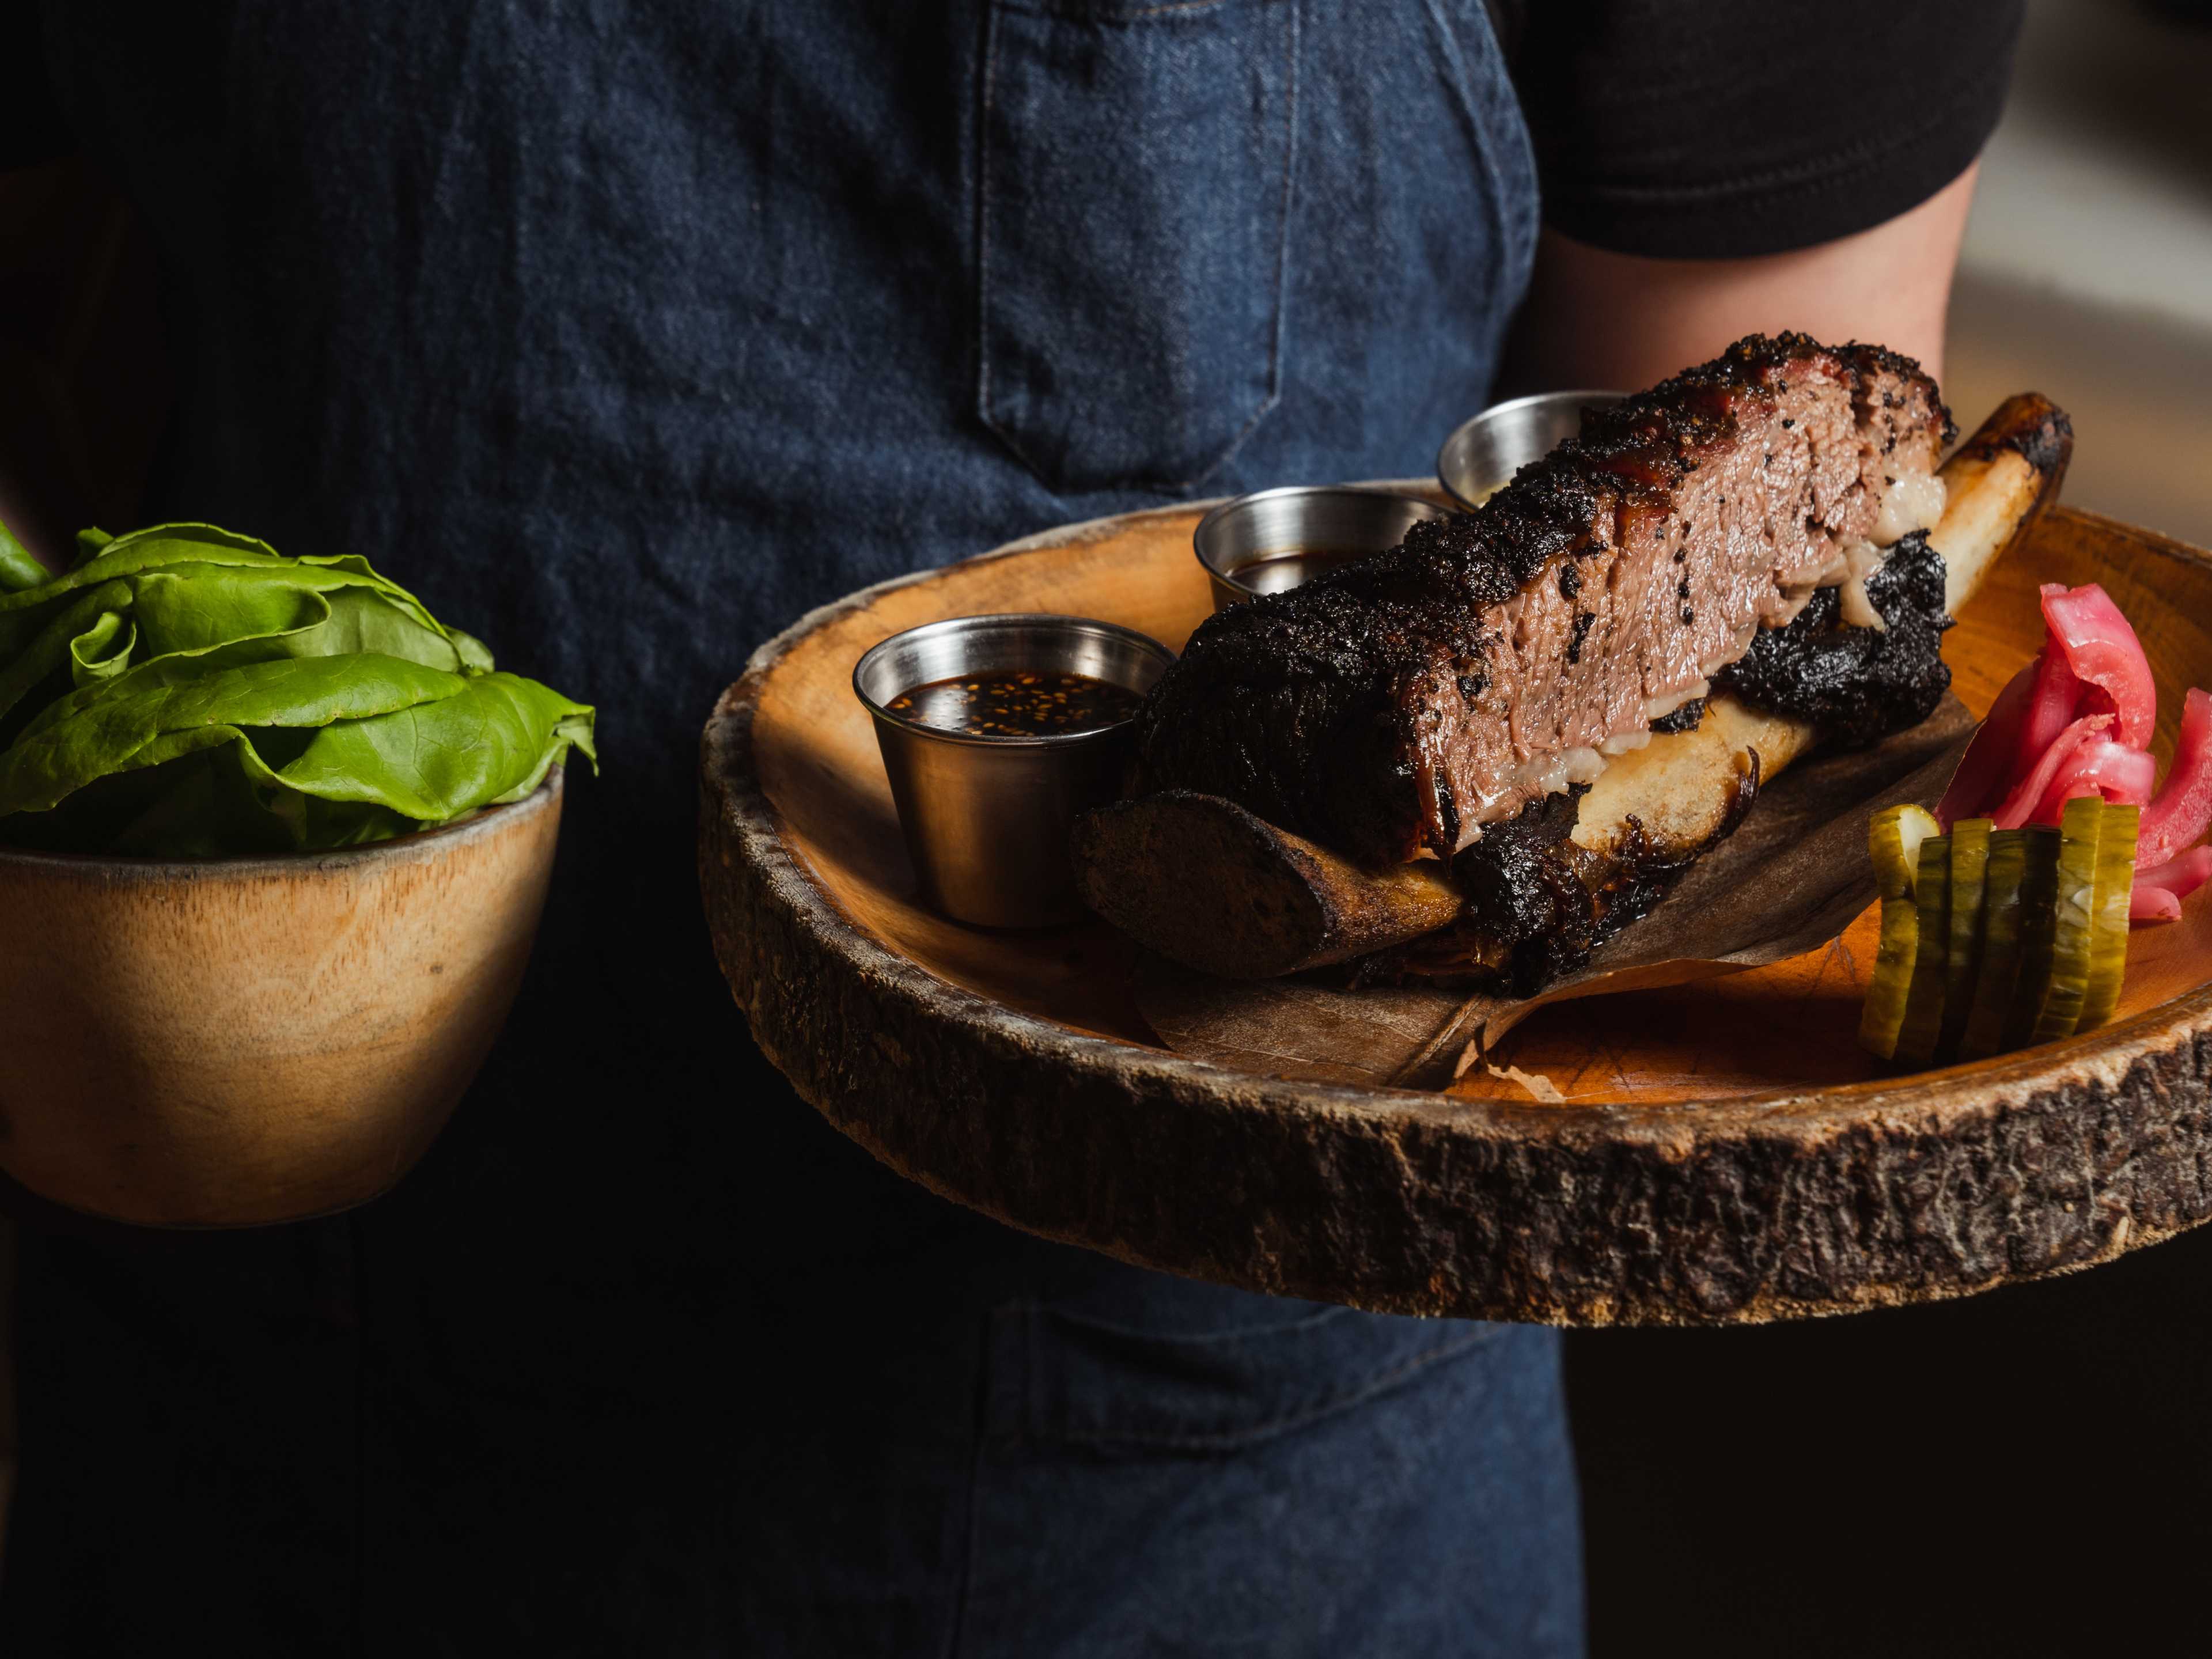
1017	702
1278	572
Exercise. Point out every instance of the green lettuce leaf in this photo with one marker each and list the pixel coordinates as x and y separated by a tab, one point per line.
492	742
52	650
103	650
170	707
18	569
183	691
233	587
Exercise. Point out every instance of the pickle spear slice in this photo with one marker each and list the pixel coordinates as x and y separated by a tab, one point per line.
1884	1013
2039	927
1894	839
1923	999
1970	858
2001	928
2108	923
2073	929
1894	835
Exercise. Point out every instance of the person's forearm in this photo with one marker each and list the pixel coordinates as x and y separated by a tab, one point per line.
1600	319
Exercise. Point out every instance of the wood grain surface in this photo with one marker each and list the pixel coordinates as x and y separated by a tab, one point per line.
235	1042
1725	1153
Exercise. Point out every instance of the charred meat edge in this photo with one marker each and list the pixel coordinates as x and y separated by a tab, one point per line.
1397	706
1539	902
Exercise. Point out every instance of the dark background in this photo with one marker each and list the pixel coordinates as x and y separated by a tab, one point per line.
2024	1471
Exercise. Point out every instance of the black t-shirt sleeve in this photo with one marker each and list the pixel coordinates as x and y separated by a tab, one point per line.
1721	128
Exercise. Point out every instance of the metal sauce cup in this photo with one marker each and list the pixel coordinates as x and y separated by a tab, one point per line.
1483	455
1271	541
987	819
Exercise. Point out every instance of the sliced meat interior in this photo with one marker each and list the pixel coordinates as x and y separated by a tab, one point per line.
1497	658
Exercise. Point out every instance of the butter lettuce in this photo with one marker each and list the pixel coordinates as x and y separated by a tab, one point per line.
17	567
183	690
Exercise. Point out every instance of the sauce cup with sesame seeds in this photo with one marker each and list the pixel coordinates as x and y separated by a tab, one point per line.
996	734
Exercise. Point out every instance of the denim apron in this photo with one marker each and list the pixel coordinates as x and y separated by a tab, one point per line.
625	333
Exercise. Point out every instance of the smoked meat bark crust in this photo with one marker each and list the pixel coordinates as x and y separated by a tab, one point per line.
1498	657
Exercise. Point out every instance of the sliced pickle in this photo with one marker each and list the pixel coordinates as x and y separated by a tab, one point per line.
2039	927
2074	932
1923	1027
1884	1013
2001	928
1995	939
1970	858
2108	926
1894	838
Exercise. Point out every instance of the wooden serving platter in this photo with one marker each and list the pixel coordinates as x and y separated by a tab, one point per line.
1725	1152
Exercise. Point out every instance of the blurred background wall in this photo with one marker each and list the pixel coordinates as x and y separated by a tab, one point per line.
2028	1472
2087	269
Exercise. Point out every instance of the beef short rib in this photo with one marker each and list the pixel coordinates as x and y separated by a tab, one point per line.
1498	658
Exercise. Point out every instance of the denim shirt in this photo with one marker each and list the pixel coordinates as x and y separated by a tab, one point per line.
624	334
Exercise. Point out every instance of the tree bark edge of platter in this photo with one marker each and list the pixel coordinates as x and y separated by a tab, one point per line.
1730	1213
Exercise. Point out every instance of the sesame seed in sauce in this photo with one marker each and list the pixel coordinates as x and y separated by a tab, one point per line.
1016	703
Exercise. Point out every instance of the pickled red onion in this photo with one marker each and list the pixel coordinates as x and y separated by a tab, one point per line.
2099	645
2020	806
2159	890
2053	700
2182	810
2147	903
2078	721
2099	766
1987	766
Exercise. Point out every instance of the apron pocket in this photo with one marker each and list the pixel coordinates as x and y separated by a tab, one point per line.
1135	183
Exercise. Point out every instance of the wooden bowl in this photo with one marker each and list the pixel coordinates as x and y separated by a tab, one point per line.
227	1043
1728	1153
